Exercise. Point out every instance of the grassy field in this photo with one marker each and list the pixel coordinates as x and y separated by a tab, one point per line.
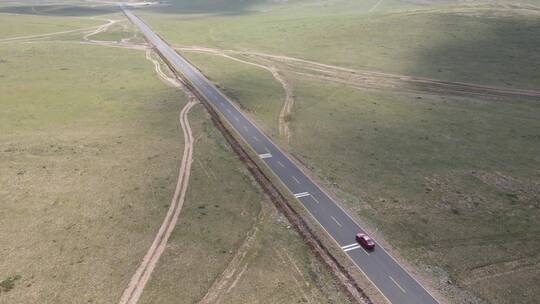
90	152
450	182
88	167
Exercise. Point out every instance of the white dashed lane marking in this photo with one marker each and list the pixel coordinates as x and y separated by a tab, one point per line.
350	245
338	223
352	248
403	290
302	194
265	155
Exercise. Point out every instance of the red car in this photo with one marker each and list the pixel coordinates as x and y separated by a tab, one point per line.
365	241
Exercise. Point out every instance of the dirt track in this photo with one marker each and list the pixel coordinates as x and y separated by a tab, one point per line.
136	286
289	99
138	281
368	79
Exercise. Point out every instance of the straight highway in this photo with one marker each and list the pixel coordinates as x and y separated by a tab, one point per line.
396	284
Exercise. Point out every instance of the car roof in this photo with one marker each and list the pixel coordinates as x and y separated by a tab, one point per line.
364	236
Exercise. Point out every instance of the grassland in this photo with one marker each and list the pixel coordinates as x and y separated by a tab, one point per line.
90	153
88	166
449	181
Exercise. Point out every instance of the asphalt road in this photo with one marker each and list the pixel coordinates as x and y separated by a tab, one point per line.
396	284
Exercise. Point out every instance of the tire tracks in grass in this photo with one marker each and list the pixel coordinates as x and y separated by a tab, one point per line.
363	79
47	35
143	273
286	108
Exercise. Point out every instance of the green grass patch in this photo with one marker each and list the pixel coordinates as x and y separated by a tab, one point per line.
9	283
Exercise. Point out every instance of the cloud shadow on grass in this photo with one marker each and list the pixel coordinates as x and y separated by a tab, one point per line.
483	48
60	10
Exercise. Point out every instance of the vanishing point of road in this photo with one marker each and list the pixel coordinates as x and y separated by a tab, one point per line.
396	284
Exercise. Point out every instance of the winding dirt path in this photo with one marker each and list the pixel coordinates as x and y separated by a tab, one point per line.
99	29
286	109
43	36
372	79
138	281
157	67
124	43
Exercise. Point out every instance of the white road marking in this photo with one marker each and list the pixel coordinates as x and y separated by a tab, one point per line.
397	284
236	117
352	248
298	195
296	179
245	128
281	164
350	245
375	6
339	224
265	155
256	138
315	199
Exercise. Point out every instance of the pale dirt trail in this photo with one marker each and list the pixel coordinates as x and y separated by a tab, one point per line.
138	281
372	79
99	29
124	43
286	109
157	67
94	30
142	275
43	36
